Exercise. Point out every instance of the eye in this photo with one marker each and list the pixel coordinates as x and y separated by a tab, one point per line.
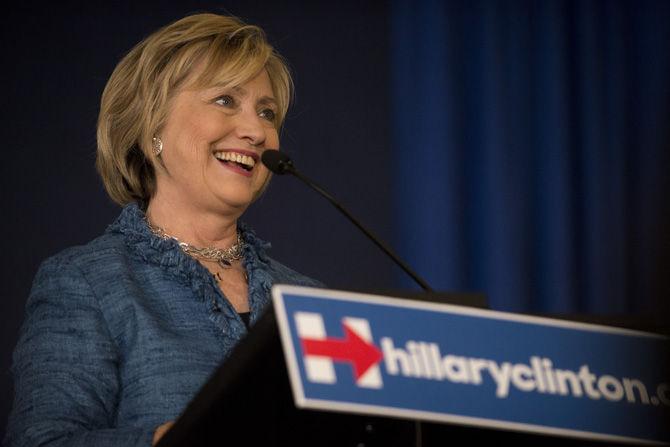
268	114
225	101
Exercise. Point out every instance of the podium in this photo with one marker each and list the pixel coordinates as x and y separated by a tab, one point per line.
249	400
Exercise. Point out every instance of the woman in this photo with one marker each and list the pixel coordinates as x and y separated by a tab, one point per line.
122	332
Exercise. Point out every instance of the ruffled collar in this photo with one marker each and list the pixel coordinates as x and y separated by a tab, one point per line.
145	245
131	223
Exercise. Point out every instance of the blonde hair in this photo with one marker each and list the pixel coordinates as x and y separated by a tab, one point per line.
135	101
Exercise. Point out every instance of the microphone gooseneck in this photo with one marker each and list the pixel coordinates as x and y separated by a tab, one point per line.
280	163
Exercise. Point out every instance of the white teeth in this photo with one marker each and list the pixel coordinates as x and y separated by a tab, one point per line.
238	158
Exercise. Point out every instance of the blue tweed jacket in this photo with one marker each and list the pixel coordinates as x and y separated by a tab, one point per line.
121	333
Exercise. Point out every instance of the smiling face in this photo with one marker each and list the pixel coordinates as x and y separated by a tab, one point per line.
213	139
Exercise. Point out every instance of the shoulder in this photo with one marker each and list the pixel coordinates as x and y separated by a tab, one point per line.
255	254
63	314
100	246
282	274
100	253
83	276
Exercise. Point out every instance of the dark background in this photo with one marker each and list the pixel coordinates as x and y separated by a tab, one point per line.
452	129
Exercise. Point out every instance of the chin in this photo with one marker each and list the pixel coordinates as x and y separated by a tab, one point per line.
238	202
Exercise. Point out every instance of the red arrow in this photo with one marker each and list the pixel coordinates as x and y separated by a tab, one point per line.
352	349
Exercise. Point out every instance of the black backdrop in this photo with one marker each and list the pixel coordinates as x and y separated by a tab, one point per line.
57	58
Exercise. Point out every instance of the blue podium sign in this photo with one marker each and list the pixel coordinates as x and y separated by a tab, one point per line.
386	356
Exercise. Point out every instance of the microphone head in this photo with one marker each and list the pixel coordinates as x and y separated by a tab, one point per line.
277	162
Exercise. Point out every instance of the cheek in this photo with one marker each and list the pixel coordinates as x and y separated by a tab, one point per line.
193	124
189	151
272	139
263	186
195	138
198	130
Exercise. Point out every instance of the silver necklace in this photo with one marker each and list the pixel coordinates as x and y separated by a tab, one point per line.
223	256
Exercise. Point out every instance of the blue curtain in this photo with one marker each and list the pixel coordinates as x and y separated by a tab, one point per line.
531	150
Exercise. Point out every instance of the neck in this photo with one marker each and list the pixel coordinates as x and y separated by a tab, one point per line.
197	227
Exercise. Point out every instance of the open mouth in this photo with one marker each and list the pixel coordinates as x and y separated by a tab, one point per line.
237	160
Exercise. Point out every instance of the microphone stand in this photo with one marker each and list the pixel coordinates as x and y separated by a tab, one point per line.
286	166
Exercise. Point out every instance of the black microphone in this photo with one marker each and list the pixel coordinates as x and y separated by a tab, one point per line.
281	164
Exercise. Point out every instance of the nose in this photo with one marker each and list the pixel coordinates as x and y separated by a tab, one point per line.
250	127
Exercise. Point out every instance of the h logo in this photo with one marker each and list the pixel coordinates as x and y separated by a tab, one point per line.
355	348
